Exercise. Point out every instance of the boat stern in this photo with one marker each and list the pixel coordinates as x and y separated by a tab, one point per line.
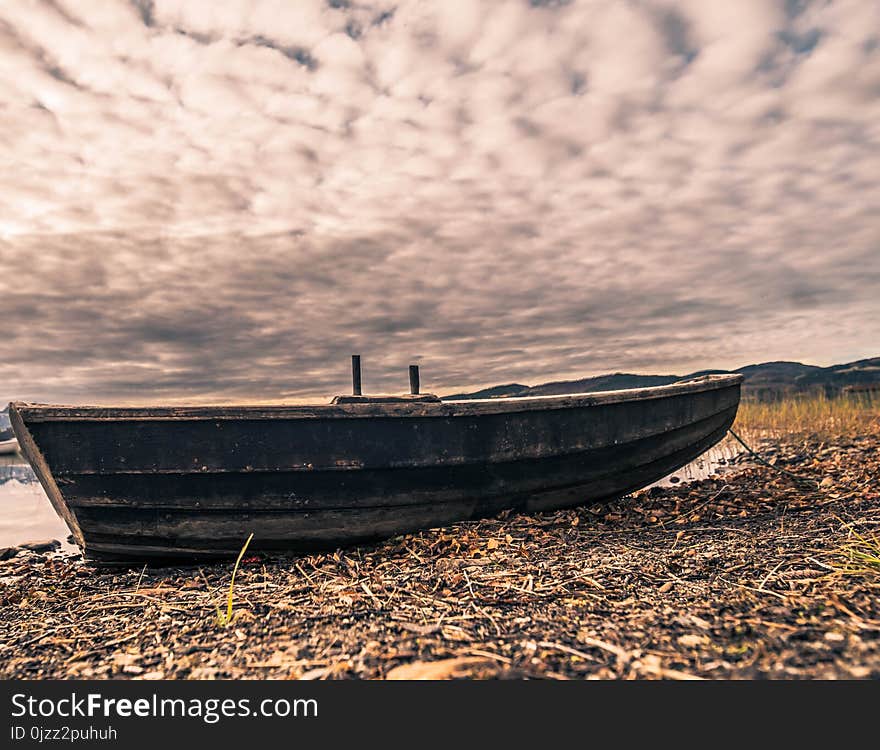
29	449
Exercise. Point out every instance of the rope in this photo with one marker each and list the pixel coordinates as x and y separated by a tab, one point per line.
760	459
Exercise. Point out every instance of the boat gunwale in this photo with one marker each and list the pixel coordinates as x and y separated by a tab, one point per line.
33	412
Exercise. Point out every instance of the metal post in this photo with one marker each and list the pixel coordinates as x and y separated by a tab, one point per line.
414	379
356	374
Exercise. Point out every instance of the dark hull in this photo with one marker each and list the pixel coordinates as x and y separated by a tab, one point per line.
135	484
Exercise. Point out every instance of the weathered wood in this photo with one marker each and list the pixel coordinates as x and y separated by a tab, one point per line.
197	535
332	490
249	446
369	409
145	483
280	524
414	379
406	398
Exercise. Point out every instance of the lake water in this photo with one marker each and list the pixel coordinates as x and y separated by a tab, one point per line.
27	516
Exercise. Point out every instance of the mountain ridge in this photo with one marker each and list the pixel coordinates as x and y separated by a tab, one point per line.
762	381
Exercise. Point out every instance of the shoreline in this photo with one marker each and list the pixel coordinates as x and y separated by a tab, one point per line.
736	576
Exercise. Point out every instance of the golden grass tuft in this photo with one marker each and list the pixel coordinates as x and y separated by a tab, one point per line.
864	555
814	415
859	556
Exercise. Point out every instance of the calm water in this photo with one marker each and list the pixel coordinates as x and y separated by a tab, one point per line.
27	516
25	512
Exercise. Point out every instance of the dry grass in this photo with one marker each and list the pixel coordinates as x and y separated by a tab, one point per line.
860	555
814	414
225	619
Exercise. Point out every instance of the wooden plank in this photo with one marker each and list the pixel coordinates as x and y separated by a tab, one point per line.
611	487
298	491
189	530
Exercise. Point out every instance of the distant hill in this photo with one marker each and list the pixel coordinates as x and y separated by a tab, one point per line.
765	381
498	391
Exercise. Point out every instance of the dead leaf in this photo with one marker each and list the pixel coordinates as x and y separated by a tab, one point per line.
443	669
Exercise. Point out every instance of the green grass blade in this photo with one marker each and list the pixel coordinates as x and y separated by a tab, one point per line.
228	618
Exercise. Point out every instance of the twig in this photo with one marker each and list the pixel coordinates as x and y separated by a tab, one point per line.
752	588
767	577
140	578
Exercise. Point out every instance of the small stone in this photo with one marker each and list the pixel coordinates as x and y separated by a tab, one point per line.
692	639
674	480
665	587
834	637
827	482
44	546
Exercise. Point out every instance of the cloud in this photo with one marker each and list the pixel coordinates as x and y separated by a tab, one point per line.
205	201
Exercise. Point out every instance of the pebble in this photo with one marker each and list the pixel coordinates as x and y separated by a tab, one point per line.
47	545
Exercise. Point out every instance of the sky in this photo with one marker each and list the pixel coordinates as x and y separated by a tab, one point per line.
205	201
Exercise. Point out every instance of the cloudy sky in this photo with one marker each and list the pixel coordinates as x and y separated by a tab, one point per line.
222	201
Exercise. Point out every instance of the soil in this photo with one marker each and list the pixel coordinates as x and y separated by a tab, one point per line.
750	574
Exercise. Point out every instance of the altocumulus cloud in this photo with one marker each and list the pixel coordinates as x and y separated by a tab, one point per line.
216	201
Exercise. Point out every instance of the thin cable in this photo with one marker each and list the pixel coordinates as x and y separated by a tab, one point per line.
760	459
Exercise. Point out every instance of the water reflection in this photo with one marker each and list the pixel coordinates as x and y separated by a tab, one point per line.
720	459
26	515
16	473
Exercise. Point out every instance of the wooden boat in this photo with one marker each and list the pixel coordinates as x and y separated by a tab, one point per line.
135	484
